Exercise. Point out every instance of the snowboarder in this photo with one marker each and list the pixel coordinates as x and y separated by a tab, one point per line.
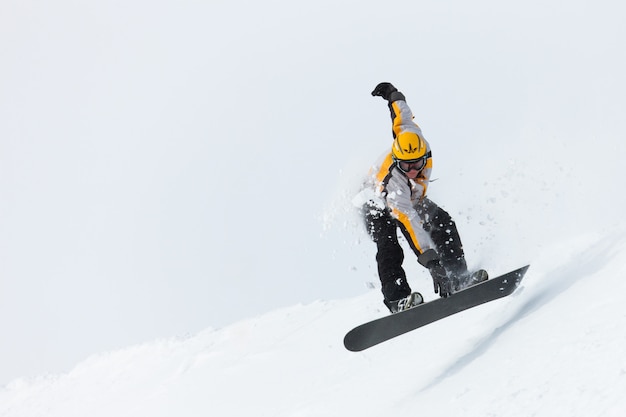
394	197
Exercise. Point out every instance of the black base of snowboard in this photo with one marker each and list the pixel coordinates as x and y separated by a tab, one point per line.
388	327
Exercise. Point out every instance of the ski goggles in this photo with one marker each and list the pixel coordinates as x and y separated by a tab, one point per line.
414	164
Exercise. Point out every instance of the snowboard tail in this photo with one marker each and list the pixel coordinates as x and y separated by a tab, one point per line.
388	327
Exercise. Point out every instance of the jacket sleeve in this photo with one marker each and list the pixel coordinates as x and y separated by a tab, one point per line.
402	121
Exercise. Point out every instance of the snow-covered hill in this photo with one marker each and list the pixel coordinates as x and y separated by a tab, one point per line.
555	347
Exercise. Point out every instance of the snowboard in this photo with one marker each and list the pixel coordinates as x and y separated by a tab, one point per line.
388	327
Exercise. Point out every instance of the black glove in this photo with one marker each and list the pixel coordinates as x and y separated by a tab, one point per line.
443	285
384	90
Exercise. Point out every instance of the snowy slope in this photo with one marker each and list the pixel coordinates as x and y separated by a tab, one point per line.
555	347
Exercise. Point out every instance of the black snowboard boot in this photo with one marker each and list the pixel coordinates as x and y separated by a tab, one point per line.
477	277
470	279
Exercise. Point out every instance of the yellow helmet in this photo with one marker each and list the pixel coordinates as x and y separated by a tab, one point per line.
408	146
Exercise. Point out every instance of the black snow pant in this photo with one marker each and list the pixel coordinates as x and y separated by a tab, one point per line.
383	227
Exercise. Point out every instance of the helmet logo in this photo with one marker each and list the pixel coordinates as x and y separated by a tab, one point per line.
411	149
